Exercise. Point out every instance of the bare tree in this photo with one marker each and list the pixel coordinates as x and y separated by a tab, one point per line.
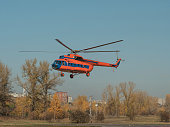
112	97
47	82
141	102
129	98
117	100
38	81
110	100
5	89
30	74
152	103
167	103
104	98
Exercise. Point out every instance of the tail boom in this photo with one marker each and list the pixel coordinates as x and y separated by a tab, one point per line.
97	63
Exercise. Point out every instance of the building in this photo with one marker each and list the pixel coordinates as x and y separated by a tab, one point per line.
161	101
70	99
15	95
23	94
63	97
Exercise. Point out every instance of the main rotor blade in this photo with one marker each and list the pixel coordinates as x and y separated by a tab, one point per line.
100	45
33	51
41	52
98	51
64	45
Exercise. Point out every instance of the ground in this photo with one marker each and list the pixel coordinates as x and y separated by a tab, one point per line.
140	121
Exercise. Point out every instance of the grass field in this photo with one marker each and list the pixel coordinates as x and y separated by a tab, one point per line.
140	120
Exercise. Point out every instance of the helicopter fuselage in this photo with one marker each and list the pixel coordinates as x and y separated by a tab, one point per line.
69	63
75	63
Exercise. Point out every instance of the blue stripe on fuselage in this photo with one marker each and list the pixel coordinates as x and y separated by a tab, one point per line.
67	57
80	65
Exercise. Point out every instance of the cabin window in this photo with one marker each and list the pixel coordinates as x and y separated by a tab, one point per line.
86	66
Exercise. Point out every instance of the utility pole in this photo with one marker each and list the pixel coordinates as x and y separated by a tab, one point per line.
96	109
90	105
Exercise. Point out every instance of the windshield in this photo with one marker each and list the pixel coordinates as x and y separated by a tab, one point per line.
61	57
58	62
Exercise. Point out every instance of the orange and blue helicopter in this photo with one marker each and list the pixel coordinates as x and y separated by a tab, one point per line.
76	64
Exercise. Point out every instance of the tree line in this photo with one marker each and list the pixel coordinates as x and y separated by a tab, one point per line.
37	80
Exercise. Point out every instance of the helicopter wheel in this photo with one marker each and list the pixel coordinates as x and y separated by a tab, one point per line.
87	74
71	75
62	74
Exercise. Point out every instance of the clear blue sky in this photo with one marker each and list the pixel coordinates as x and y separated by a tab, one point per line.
143	25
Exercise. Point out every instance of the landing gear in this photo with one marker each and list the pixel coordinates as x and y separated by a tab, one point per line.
71	75
62	74
87	74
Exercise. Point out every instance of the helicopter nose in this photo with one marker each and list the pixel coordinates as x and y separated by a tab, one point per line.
53	66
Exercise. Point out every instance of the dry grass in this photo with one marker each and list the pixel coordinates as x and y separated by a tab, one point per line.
138	120
141	120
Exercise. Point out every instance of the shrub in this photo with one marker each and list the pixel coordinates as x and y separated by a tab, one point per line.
33	115
61	115
100	116
165	116
46	116
79	116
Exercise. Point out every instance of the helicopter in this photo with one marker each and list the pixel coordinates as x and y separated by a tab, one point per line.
76	64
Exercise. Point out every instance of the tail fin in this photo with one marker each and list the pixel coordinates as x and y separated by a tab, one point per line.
117	63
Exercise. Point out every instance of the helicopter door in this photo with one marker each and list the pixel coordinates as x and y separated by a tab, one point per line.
66	65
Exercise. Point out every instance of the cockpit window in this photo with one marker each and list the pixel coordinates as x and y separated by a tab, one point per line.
58	62
61	57
78	58
55	61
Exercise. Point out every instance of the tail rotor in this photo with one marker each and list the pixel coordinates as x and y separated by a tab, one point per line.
117	57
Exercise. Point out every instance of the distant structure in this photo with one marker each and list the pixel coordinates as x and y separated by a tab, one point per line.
63	97
99	101
70	99
23	94
167	100
164	101
161	101
16	95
